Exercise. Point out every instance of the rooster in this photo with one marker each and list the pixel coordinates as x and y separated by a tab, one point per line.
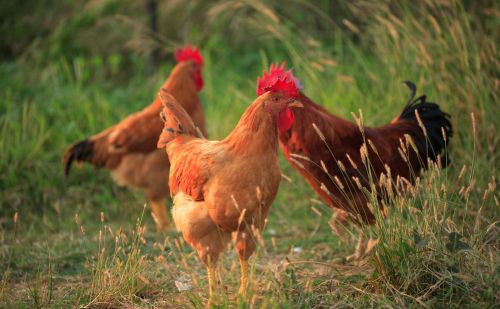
339	159
128	149
225	188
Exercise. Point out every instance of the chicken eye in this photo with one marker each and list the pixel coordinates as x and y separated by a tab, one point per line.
276	99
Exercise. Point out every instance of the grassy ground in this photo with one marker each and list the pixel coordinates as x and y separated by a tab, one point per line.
83	241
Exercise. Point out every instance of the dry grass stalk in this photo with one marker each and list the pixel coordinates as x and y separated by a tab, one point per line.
318	131
339	163
420	123
353	164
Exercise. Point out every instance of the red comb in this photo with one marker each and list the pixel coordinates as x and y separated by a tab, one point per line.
188	53
278	80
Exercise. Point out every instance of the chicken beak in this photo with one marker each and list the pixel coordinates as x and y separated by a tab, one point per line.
295	103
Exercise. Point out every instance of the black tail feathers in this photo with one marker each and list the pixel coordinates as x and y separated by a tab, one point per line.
80	151
436	122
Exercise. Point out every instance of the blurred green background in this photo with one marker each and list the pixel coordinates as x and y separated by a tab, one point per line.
69	69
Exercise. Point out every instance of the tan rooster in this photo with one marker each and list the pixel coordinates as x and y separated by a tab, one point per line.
128	149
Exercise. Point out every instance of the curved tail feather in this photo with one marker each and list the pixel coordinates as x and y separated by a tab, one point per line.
94	150
438	128
176	120
80	151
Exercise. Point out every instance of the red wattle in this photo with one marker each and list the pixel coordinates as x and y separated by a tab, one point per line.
285	120
198	79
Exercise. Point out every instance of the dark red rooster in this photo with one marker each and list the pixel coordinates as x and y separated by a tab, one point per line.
339	158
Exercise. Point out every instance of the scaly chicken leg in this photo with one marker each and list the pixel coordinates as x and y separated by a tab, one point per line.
160	215
245	247
244	277
211	281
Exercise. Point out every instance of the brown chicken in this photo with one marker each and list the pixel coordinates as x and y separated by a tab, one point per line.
225	188
128	149
331	153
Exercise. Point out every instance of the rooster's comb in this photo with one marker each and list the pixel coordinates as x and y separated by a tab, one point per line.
278	80
188	53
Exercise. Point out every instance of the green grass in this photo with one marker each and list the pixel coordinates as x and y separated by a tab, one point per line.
438	246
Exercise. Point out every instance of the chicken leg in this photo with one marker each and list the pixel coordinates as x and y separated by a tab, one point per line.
211	282
245	247
244	277
160	215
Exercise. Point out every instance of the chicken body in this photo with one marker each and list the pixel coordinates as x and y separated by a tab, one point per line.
223	189
335	155
128	149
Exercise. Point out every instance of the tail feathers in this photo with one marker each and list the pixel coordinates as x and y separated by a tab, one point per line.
176	120
435	121
80	151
